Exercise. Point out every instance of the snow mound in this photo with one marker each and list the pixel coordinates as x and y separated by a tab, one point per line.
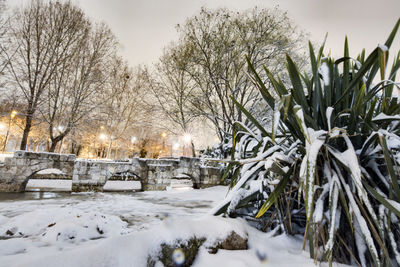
134	249
61	225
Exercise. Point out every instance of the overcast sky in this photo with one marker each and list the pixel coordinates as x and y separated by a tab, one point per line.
144	27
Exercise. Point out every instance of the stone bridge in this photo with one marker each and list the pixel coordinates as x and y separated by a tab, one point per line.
91	175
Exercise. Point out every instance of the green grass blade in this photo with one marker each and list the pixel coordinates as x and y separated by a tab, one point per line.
381	199
272	198
372	58
251	118
261	86
298	90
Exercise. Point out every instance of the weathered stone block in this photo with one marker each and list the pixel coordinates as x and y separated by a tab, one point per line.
21	162
71	157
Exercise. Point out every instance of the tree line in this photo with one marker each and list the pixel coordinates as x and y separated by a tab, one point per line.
64	72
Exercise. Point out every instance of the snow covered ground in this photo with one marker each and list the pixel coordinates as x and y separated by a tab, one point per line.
61	185
122	185
121	229
64	185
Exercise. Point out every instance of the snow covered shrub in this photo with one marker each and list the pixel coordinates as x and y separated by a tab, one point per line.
329	167
219	150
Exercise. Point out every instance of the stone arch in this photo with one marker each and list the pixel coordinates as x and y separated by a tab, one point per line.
184	177
41	178
128	175
16	171
190	167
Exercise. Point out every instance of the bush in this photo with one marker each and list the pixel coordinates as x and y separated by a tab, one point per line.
329	166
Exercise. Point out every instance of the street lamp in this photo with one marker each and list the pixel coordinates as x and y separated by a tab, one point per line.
187	138
102	137
164	136
13	114
133	141
60	128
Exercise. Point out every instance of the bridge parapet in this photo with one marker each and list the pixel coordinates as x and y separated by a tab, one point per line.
91	175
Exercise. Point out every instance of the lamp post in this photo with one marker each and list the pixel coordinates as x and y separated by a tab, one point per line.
60	128
187	138
102	138
133	141
164	136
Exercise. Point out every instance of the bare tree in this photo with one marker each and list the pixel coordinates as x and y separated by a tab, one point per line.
71	93
42	34
173	89
122	102
218	41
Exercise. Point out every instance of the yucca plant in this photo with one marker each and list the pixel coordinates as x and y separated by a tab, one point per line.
329	165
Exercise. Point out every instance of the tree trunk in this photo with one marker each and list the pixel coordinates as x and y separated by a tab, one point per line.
193	150
53	145
109	149
54	141
6	140
61	146
74	147
27	129
47	144
78	150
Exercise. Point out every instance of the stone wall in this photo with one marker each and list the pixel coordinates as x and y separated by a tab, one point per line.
154	174
91	175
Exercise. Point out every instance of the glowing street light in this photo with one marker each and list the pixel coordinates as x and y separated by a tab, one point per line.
103	137
13	114
163	135
2	126
187	138
133	139
60	128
